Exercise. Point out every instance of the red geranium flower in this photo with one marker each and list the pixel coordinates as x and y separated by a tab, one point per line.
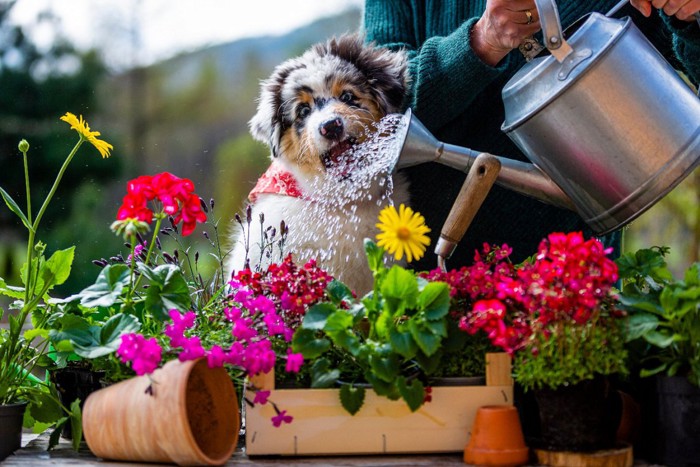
175	197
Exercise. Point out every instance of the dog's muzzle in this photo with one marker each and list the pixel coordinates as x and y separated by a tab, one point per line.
332	129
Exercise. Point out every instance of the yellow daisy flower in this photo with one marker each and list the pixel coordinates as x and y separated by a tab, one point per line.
402	232
83	129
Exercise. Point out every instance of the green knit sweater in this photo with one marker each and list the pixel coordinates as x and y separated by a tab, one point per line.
458	98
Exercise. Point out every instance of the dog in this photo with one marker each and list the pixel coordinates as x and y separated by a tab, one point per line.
313	113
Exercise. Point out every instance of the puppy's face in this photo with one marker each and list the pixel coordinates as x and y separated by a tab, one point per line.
317	106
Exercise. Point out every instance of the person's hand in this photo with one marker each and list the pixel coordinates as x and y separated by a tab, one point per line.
503	26
684	10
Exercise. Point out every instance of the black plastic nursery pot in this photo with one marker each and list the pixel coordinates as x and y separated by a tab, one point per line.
580	417
72	384
11	416
677	433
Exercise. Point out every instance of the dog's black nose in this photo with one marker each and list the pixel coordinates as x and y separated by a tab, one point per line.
332	129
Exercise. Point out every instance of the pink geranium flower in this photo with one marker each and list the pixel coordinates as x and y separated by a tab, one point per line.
281	418
143	354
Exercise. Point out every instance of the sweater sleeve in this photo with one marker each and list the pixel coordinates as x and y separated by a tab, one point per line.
686	45
441	63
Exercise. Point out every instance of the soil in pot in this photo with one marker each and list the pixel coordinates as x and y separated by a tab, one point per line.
11	416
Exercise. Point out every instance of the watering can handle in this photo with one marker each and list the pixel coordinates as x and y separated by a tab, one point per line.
480	179
551	29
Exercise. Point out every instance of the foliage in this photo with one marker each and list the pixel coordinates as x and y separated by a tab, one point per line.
22	350
393	334
663	326
38	82
551	311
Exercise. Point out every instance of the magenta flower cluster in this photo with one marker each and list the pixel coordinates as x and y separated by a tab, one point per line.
263	308
569	282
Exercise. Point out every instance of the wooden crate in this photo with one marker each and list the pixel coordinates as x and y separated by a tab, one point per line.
322	427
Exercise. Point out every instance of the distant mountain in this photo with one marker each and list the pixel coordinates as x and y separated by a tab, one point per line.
268	51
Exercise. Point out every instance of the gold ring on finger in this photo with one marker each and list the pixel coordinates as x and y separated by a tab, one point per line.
528	13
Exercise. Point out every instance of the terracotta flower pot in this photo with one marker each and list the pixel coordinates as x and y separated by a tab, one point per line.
186	413
497	438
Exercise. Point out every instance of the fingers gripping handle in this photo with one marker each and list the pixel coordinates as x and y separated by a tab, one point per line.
480	179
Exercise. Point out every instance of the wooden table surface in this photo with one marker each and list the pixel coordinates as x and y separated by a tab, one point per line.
35	454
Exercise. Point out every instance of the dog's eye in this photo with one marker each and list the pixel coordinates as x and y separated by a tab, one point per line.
347	97
303	111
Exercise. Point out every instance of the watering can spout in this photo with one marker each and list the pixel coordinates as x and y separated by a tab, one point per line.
420	146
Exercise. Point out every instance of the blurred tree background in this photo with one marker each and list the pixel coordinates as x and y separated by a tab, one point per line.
187	115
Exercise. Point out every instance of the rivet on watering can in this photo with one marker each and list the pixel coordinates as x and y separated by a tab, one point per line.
553	39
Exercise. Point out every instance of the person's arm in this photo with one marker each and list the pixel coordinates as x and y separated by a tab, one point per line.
446	73
680	20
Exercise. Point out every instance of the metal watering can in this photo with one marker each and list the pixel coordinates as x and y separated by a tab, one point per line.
609	125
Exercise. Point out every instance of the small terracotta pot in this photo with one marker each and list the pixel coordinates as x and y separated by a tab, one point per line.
186	413
497	438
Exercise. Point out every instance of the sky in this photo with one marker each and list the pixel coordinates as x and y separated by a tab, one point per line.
163	28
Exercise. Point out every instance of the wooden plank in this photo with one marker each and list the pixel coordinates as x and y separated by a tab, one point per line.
498	369
322	427
618	457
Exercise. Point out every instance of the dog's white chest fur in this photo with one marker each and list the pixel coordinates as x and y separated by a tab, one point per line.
329	231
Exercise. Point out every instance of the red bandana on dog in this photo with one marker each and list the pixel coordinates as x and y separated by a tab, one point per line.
278	181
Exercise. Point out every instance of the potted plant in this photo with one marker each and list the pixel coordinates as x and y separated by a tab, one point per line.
556	315
365	357
24	346
392	335
663	331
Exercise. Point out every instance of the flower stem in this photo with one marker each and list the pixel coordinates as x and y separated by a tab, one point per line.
156	229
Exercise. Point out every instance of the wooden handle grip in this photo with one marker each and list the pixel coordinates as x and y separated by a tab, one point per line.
480	179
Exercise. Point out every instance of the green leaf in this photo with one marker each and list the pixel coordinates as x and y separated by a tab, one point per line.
306	342
412	392
339	329
383	388
375	256
317	315
403	343
167	290
14	207
322	375
76	418
640	324
660	339
352	398
44	408
399	289
385	366
434	299
56	269
426	336
108	286
55	436
93	341
429	364
339	292
11	291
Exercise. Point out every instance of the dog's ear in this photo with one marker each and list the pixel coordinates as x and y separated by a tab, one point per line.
263	123
269	123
